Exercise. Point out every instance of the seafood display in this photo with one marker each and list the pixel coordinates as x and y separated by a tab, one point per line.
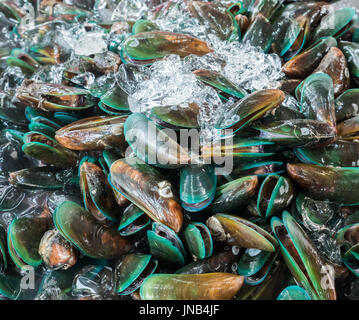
179	149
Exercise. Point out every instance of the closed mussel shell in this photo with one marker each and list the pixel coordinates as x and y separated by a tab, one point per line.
94	133
24	236
145	187
90	236
209	286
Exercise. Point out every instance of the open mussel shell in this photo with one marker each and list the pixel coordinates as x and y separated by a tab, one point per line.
240	232
275	194
97	193
303	259
258	277
335	23
47	178
351	52
259	34
53	97
56	252
48	150
297	132
340	153
251	261
234	194
166	245
222	85
114	99
197	187
133	220
90	236
94	133
347	105
331	183
132	270
153	145
335	65
209	286
24	236
10	288
199	240
146	188
294	293
316	95
149	46
250	108
305	63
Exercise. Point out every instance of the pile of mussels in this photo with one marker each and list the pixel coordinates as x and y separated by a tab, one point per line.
101	199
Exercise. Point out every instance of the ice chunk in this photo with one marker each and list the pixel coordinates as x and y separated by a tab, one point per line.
85	43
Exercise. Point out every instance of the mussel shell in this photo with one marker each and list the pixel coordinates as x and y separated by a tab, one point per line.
148	190
199	240
97	193
223	261
241	232
351	52
297	132
259	34
347	105
87	234
176	117
302	258
336	23
10	287
157	44
153	145
316	95
48	178
133	220
116	99
234	194
335	184
94	133
293	293
275	194
209	286
24	236
250	108
305	63
197	187
132	271
46	149
338	154
52	97
166	245
220	83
